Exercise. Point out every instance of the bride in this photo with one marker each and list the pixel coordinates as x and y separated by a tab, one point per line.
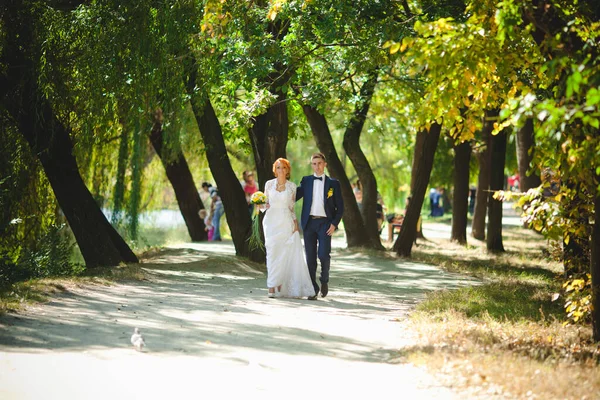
287	272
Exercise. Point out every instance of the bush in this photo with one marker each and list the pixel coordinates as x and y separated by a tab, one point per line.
51	256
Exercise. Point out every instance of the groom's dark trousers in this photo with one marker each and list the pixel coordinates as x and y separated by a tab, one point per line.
316	230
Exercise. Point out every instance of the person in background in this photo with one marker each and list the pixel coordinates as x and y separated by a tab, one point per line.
472	197
207	223
380	212
217	212
205	195
513	182
358	194
250	187
398	219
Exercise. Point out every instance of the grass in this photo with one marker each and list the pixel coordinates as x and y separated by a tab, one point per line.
505	336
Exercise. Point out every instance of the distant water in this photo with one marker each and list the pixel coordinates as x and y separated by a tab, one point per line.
159	219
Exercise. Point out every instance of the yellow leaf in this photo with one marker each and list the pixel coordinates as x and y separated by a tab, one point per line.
567	239
394	48
467	102
387	44
558	197
405	43
272	14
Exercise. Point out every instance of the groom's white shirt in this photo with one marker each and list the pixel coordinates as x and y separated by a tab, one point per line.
317	207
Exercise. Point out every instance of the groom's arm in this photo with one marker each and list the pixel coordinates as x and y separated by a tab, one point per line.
339	203
300	190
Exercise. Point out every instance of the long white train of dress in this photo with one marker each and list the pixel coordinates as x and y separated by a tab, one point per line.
286	262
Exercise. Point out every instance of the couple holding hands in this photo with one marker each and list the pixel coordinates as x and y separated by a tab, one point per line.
289	274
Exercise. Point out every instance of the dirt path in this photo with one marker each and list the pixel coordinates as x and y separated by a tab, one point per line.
210	329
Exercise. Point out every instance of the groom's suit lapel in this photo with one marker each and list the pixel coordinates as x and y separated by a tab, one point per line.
309	192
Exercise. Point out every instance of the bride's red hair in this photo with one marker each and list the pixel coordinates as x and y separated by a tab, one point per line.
285	163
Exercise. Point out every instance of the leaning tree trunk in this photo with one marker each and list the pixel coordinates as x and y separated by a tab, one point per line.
269	137
419	143
230	190
49	139
361	164
269	131
525	145
483	180
356	235
460	205
494	228
595	263
178	173
425	156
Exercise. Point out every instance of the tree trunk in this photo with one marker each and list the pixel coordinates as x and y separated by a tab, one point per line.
525	144
494	229
419	143
460	205
576	252
356	235
483	181
269	137
425	156
361	164
98	241
595	263
182	181
230	190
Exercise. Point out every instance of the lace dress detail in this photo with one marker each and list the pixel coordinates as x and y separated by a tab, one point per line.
286	263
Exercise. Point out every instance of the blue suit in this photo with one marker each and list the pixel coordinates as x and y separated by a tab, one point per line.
315	229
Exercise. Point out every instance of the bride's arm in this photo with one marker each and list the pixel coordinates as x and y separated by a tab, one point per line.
292	189
265	207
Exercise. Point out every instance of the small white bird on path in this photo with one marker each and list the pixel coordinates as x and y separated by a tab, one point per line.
137	340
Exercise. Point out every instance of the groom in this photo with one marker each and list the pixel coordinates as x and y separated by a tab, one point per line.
322	211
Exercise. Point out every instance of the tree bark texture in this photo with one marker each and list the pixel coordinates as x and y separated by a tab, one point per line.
419	142
180	176
425	156
368	182
595	264
269	137
576	252
494	229
230	190
356	235
483	180
49	139
525	146
460	198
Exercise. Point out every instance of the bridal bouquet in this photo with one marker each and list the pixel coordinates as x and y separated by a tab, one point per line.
255	241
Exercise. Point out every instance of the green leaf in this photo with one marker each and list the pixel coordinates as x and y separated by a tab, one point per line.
592	97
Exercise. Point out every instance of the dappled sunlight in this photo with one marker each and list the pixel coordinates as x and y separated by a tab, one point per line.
200	303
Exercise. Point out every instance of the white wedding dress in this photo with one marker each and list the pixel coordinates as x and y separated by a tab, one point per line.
286	263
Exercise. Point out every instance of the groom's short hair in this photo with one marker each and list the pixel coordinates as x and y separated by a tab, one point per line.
318	155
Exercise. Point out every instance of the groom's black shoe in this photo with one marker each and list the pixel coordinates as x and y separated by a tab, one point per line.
324	289
315	296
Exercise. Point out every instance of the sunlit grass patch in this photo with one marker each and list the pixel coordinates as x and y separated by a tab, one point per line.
512	301
506	335
516	357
